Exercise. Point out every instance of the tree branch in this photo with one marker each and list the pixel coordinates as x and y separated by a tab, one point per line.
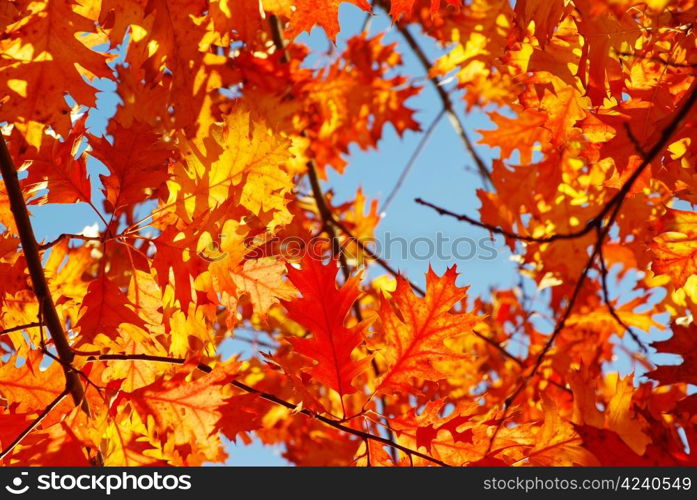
30	248
378	260
273	399
590	225
611	309
20	327
412	160
447	103
329	222
603	230
64	236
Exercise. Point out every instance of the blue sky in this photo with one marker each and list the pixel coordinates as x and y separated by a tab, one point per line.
443	174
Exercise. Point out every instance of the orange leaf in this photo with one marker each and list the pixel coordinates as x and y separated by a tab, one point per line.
29	387
519	133
416	330
675	250
324	13
684	343
405	7
137	161
187	410
104	308
44	59
322	310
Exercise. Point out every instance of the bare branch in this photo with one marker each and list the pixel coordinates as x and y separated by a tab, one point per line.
329	222
611	309
45	246
254	342
602	230
412	160
592	223
378	260
657	60
634	140
447	103
498	347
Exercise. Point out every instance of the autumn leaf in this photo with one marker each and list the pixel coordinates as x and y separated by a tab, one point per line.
262	281
675	249
519	133
309	13
28	387
322	310
105	308
188	409
45	59
417	330
137	160
55	167
179	192
683	342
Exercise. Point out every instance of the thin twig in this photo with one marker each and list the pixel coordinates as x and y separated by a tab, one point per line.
45	246
513	358
20	327
412	160
254	342
498	347
273	399
328	220
375	257
611	309
590	225
447	103
634	140
33	425
367	22
657	59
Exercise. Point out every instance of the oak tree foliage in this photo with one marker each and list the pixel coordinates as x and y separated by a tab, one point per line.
225	128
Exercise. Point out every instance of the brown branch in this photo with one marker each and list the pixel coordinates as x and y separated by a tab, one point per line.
513	358
327	218
33	425
329	222
635	142
254	342
45	246
446	101
277	37
273	399
590	225
39	284
35	324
